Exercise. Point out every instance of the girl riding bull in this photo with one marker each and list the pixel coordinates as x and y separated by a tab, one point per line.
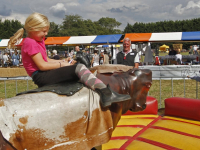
46	71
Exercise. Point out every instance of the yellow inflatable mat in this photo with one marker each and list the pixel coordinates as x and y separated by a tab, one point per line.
153	132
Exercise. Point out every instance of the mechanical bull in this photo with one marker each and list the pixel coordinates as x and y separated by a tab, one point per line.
46	120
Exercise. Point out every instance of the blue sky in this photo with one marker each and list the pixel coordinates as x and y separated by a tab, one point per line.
124	11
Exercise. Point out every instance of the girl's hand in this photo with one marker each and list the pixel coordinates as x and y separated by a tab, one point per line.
64	63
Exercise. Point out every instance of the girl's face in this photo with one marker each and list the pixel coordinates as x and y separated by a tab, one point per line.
39	35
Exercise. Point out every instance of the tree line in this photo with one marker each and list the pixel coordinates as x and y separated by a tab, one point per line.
75	25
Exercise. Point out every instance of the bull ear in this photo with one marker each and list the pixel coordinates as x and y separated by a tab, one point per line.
135	72
132	72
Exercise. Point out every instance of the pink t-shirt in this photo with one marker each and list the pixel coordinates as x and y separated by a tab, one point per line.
29	48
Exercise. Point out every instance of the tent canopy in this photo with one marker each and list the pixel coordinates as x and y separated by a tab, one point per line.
4	42
107	39
163	47
190	36
80	40
164	37
56	40
138	37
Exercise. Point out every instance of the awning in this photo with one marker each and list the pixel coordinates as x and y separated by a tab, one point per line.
190	36
107	39
4	42
167	36
56	40
80	40
21	43
164	37
138	37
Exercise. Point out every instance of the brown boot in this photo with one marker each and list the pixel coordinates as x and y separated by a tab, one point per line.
108	96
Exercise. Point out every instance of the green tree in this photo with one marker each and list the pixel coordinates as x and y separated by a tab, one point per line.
110	24
54	30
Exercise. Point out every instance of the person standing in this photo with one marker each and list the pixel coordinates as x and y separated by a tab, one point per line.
15	58
178	57
5	59
195	50
191	50
127	56
105	58
95	59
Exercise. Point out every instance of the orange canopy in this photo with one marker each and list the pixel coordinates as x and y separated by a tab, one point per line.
138	37
56	40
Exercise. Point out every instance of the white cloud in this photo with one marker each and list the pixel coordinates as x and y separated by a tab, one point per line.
191	6
58	10
16	16
126	11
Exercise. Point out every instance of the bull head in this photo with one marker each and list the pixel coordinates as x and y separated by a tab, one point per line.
137	83
141	83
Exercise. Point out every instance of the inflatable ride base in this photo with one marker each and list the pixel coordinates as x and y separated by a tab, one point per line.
154	132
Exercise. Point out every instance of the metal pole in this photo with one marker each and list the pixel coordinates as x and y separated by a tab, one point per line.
172	88
5	88
184	86
16	86
27	84
160	94
196	89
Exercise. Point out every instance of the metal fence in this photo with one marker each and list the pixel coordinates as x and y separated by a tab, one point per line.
161	89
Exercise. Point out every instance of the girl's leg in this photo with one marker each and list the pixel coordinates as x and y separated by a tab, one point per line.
88	78
108	96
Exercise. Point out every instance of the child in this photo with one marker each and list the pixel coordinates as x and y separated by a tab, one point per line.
101	61
43	69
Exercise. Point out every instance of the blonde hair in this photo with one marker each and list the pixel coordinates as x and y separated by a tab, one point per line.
34	22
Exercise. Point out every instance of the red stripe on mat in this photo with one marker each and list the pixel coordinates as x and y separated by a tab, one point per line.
180	121
123	147
157	144
121	138
175	131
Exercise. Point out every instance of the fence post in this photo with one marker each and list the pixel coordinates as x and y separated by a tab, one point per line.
172	88
5	88
184	86
16	86
196	89
160	94
27	84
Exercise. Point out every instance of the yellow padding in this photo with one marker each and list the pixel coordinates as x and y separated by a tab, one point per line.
179	126
138	116
138	145
136	119
172	139
113	144
125	131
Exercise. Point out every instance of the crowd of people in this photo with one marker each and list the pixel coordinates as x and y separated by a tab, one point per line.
10	58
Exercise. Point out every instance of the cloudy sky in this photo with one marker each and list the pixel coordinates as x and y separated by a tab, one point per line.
124	11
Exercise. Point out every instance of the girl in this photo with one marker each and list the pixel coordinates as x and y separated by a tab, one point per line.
43	69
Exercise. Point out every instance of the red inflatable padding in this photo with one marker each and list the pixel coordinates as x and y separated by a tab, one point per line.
183	107
152	107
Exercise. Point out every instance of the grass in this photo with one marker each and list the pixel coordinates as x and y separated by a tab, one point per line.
164	90
11	90
164	53
167	90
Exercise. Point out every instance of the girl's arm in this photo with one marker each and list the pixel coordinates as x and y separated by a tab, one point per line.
44	66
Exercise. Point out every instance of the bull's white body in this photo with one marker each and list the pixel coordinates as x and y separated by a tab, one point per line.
50	114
